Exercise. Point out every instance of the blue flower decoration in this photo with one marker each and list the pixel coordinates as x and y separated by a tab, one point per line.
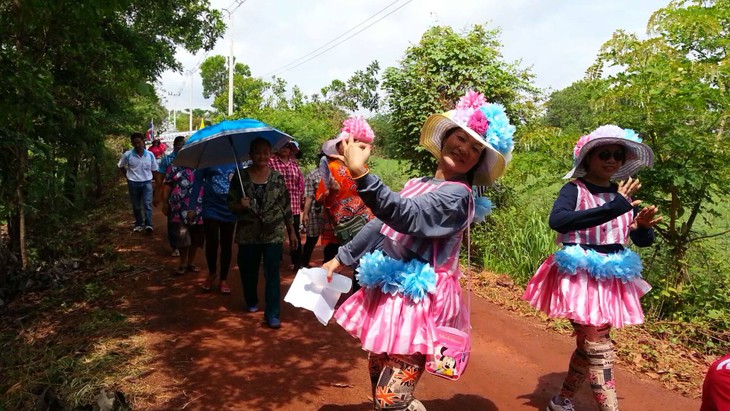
500	132
625	265
414	279
482	207
630	134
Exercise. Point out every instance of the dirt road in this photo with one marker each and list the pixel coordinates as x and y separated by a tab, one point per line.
213	355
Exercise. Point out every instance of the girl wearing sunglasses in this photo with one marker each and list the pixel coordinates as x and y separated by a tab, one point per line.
594	280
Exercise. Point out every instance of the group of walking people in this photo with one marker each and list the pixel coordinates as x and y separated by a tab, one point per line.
206	208
406	245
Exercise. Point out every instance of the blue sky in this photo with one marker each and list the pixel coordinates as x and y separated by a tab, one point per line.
558	39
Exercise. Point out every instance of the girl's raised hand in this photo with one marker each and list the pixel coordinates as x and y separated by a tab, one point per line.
356	156
646	218
628	188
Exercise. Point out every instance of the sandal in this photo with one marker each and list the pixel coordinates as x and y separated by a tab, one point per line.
193	268
180	270
207	284
225	289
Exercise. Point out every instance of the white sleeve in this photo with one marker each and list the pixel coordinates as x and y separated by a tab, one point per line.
124	160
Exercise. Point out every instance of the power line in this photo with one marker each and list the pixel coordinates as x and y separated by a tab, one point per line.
333	40
296	63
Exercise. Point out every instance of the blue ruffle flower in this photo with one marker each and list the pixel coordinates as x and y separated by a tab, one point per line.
624	265
500	131
630	134
414	279
482	208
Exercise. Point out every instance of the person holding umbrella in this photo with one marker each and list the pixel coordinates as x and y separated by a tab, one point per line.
260	199
216	151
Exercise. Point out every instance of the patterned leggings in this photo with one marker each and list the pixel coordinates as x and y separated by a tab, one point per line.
393	379
594	356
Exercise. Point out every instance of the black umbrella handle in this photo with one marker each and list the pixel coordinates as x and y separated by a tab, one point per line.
235	161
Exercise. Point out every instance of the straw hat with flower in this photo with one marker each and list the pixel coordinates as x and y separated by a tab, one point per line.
485	122
637	154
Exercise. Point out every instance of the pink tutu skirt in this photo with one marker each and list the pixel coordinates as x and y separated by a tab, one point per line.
585	300
394	324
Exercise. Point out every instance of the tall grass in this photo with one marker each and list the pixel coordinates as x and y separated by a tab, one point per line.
517	245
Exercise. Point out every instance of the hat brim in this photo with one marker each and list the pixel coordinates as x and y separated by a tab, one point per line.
638	155
488	170
329	147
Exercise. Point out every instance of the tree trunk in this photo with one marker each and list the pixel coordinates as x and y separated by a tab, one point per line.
71	178
679	252
20	204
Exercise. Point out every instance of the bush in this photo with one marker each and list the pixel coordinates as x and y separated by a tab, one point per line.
514	244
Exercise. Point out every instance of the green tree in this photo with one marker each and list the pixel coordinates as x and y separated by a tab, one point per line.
214	73
248	91
673	90
360	90
574	108
435	73
81	70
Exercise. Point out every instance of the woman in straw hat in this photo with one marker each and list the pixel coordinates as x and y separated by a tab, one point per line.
594	280
409	253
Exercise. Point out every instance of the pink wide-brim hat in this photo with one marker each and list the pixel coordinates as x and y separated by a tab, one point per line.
638	154
330	146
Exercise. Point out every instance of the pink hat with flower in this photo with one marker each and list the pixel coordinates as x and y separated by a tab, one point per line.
356	127
485	122
638	154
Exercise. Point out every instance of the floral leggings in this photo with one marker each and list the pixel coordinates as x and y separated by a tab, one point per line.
393	379
594	356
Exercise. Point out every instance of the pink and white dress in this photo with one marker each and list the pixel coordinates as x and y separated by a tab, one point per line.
588	287
425	221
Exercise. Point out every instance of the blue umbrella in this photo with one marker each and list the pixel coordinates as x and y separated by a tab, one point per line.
226	142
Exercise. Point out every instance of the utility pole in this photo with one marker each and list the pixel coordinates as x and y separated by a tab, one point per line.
191	102
231	63
230	77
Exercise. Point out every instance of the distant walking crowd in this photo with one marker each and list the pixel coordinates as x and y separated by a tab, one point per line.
261	204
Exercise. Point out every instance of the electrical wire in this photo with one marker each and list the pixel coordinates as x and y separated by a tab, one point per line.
344	40
292	63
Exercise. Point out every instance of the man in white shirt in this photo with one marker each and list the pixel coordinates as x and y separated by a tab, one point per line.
137	166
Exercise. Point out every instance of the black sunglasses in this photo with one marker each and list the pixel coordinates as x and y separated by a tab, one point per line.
618	155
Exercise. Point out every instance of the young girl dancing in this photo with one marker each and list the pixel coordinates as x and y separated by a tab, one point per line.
409	253
594	280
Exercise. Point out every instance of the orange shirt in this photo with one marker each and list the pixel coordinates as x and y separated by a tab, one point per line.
342	204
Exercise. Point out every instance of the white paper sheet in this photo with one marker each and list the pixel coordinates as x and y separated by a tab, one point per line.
304	293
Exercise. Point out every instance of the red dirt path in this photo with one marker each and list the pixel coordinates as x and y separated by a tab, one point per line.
212	355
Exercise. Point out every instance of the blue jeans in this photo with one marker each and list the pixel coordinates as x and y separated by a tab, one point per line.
140	192
249	259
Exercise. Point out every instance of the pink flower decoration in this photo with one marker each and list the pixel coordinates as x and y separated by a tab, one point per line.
478	122
471	99
581	142
359	129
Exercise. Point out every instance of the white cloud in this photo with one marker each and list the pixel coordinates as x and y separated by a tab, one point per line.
559	39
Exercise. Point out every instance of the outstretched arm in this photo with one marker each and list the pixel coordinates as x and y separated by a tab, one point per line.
440	213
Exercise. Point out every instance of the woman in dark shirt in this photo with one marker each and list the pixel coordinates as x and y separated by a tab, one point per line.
594	280
263	216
